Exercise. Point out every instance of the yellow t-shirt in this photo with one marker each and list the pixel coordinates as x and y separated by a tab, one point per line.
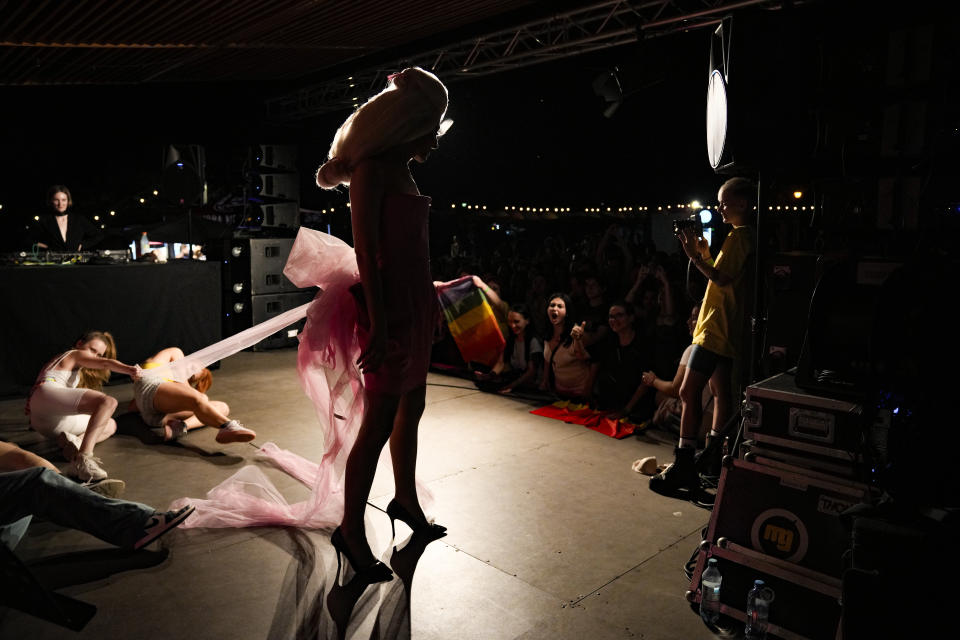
720	323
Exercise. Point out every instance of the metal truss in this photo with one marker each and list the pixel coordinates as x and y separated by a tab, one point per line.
599	26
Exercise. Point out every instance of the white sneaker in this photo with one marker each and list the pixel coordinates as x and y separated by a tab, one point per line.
108	487
233	431
69	445
174	430
87	468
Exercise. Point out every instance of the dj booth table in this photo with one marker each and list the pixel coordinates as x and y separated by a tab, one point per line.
146	306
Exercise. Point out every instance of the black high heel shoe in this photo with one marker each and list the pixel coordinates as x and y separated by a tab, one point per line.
428	529
371	574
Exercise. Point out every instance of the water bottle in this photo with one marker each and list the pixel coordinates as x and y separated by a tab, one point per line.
710	593
758	611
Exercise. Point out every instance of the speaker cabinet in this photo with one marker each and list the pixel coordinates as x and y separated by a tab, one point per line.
253	286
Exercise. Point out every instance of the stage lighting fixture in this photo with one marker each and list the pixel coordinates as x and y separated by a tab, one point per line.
798	194
607	86
716	118
183	179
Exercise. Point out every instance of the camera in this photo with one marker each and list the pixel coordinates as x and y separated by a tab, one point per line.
693	222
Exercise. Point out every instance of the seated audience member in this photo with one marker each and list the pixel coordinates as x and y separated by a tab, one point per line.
66	403
622	358
568	370
668	391
536	289
614	257
60	229
595	313
31	486
522	357
657	317
172	408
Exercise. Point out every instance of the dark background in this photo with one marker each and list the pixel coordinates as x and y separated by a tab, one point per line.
538	136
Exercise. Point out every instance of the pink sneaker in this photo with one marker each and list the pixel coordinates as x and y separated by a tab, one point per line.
233	431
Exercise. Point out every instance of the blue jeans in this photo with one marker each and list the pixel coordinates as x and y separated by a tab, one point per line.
38	491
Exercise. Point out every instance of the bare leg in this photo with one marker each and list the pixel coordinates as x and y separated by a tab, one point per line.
403	450
378	420
100	407
192	421
172	397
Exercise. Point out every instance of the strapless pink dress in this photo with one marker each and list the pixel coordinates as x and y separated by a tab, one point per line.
410	299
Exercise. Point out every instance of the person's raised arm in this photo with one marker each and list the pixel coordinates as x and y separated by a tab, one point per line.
667	387
667	308
87	360
366	197
698	250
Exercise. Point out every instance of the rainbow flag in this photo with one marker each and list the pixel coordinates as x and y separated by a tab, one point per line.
471	321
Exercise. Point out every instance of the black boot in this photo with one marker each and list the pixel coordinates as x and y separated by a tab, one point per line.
709	461
679	477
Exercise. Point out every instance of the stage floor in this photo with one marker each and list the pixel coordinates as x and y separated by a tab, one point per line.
551	534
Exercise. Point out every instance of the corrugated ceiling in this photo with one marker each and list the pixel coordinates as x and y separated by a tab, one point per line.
61	42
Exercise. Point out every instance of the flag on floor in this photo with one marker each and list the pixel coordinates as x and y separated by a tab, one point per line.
471	321
573	413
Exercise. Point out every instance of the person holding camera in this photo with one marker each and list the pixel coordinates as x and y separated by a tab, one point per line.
716	338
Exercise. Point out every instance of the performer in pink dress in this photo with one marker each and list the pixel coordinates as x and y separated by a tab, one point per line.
397	303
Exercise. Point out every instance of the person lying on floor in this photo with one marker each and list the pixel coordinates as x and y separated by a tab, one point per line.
171	408
32	486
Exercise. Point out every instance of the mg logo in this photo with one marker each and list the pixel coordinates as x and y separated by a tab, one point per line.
781	534
782	538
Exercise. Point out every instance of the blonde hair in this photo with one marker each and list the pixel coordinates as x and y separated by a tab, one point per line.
412	106
94	378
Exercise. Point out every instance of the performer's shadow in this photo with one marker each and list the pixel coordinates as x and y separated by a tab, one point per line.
319	604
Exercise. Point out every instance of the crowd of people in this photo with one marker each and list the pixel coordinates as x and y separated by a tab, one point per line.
585	315
608	320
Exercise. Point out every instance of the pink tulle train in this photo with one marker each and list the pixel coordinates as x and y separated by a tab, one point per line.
326	364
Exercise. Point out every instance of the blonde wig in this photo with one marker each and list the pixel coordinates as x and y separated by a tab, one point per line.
412	106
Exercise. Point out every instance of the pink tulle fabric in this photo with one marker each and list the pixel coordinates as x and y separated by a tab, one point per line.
326	364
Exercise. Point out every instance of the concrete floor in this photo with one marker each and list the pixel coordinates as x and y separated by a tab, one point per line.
551	534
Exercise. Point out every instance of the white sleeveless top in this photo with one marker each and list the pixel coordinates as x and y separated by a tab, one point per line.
64	377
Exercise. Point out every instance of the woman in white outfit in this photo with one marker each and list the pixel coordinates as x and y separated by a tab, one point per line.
66	403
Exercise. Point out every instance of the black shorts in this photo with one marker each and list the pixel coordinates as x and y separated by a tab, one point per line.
705	361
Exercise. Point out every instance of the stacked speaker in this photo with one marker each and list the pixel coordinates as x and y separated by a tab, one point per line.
273	200
254	287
